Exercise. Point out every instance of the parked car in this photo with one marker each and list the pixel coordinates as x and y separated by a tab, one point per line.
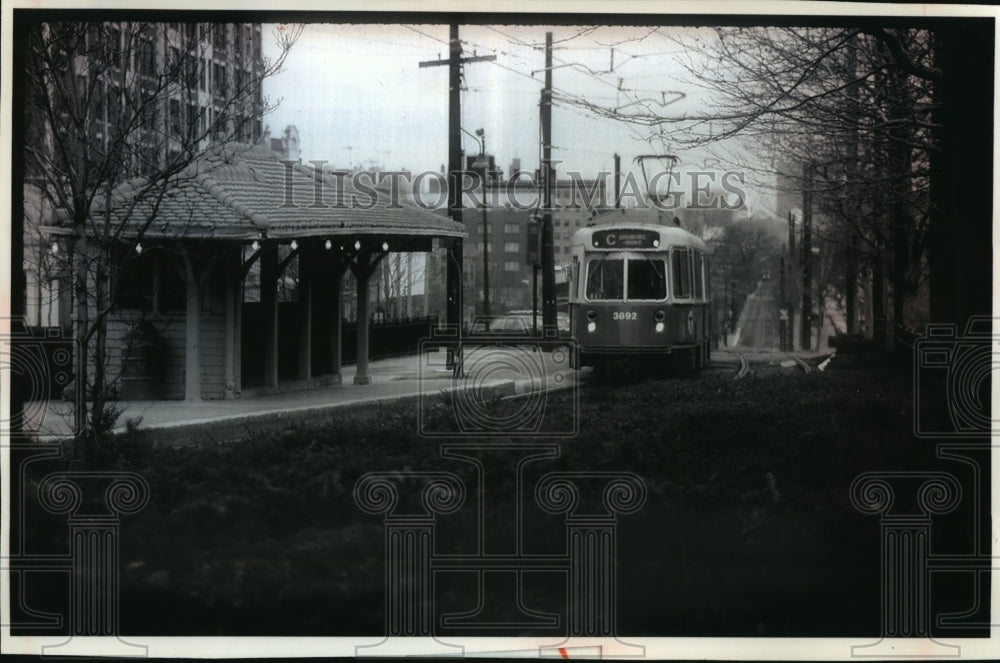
515	323
524	318
481	325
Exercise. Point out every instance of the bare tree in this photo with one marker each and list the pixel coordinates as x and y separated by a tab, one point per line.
115	116
886	118
839	101
398	276
741	256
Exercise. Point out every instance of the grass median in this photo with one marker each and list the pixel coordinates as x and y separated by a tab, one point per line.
747	528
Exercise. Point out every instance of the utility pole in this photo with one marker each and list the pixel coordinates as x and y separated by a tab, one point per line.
486	235
548	179
793	262
454	261
806	328
851	283
783	308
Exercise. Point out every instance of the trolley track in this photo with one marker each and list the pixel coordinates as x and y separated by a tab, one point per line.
737	364
806	368
744	369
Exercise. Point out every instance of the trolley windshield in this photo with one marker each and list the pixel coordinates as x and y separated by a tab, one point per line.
646	279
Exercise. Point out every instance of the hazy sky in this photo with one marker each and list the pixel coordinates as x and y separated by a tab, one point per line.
358	97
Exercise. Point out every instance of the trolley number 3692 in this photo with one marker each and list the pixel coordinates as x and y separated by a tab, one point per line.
624	315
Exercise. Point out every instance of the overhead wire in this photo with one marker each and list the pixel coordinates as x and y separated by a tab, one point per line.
571	99
446	42
630	94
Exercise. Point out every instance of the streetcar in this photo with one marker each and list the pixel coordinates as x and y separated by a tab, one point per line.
638	295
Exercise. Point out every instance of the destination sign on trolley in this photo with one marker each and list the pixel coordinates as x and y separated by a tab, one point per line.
617	238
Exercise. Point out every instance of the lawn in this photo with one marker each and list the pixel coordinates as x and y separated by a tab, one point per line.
747	527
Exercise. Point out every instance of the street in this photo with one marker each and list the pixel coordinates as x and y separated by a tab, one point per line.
758	323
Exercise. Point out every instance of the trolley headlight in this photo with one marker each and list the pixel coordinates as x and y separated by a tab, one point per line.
659	327
591	326
660	316
592	315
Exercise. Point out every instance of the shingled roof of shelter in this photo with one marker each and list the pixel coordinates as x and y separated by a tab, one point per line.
239	192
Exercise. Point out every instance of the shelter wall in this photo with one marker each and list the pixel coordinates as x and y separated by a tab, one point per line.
172	328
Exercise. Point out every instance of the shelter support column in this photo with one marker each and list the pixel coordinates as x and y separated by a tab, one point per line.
238	341
232	343
453	290
192	347
269	310
362	273
453	287
305	329
336	326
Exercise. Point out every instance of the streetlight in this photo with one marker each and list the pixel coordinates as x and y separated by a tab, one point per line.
483	163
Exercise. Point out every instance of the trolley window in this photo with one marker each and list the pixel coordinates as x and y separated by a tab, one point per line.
606	279
681	258
647	279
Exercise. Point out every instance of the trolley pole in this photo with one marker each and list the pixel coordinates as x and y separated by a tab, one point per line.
548	179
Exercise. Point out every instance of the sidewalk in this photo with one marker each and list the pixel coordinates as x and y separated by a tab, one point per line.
176	422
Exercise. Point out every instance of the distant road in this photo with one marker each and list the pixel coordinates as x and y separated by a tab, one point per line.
759	320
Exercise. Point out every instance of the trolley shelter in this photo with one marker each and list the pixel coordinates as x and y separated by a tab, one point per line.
233	233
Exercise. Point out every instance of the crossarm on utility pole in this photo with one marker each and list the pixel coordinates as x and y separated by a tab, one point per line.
441	63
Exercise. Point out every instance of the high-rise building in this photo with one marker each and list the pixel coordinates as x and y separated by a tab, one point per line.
164	89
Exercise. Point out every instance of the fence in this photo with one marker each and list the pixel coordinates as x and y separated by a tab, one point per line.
385	339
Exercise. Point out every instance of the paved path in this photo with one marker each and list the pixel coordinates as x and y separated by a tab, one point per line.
504	369
391	379
759	319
